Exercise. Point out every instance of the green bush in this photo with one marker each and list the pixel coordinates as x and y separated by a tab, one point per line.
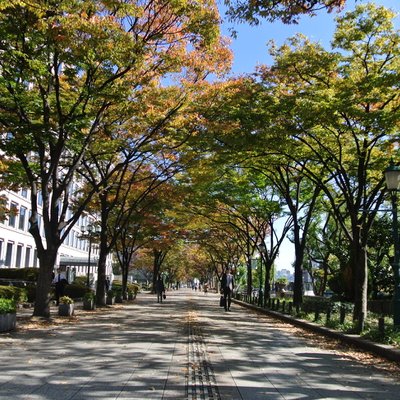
7	306
75	290
25	274
89	295
66	300
133	287
31	292
311	304
80	281
16	294
116	284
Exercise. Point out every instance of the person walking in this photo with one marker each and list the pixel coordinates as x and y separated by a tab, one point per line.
160	289
227	286
59	282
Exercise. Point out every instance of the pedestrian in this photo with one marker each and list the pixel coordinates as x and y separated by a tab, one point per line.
107	284
160	289
206	288
60	282
227	286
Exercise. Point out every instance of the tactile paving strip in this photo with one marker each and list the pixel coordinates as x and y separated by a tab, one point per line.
201	384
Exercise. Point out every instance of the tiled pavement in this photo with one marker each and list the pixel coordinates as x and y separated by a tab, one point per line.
185	348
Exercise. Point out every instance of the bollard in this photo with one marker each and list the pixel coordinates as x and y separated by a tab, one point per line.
381	325
316	315
342	314
328	314
360	324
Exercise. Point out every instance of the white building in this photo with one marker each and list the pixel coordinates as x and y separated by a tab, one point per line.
18	250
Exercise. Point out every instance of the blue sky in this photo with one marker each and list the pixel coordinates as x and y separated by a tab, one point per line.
250	48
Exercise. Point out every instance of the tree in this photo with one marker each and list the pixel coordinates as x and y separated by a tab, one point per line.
64	69
288	11
341	108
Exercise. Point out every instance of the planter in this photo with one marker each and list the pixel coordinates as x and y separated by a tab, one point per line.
110	300
65	310
89	304
7	322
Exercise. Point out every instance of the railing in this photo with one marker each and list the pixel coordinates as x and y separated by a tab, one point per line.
320	307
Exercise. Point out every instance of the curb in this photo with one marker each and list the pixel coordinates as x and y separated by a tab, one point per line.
386	351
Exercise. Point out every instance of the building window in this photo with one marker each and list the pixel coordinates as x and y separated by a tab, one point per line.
24	192
27	257
35	259
9	251
39	223
19	256
1	253
13	214
22	218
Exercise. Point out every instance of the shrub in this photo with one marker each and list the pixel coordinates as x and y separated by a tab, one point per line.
315	303
89	295
17	294
25	274
80	281
31	292
66	300
75	290
133	287
7	306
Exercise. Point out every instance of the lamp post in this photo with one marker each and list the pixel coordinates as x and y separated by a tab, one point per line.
89	231
392	177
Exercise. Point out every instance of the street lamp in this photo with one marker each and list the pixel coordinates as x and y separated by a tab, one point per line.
89	232
392	177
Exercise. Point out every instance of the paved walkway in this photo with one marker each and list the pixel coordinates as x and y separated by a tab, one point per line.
186	348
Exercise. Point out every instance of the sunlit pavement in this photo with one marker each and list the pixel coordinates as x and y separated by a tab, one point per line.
185	348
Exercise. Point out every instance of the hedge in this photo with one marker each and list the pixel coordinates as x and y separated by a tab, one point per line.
75	291
117	285
24	274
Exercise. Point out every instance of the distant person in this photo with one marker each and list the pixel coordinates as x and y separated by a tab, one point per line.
205	288
60	281
227	286
160	289
107	284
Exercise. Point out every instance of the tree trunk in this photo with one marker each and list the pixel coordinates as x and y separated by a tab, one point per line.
101	269
43	285
360	285
298	274
267	281
249	277
125	271
159	256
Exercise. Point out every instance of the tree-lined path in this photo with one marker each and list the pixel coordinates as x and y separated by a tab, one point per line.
185	348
